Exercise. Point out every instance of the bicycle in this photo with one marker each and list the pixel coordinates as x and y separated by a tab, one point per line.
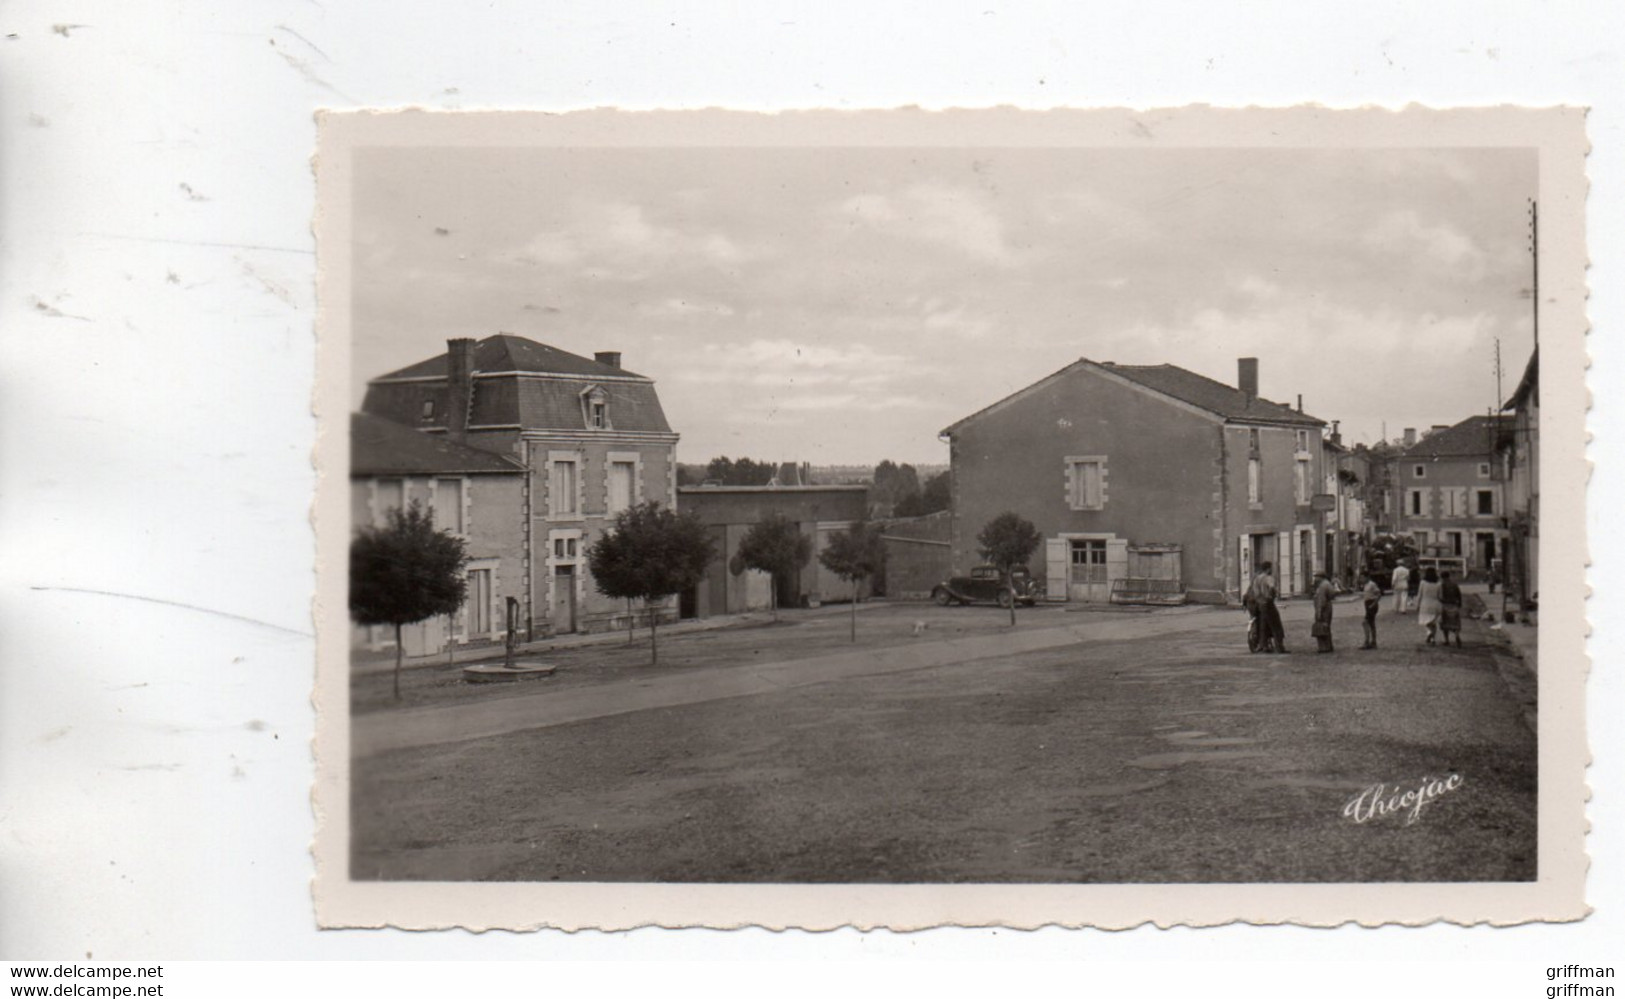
1255	632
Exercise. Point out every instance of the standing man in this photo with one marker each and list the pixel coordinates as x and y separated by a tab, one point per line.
1402	584
1322	628
1264	594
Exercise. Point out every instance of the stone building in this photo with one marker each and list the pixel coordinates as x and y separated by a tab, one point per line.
1144	477
591	436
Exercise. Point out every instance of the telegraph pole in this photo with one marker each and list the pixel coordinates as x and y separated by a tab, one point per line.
1534	260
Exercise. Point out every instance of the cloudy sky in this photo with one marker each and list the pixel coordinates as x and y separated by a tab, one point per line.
844	305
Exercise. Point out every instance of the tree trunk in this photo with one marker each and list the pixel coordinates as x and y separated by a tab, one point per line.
631	622
773	595
399	652
854	609
1010	587
654	637
451	644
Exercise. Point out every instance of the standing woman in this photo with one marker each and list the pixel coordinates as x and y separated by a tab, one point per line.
1449	608
1322	629
1428	605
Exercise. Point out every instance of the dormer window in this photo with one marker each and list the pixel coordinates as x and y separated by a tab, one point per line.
595	408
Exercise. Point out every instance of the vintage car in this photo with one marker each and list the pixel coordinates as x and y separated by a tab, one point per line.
987	584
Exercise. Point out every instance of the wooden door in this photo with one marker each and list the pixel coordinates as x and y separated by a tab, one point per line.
564	599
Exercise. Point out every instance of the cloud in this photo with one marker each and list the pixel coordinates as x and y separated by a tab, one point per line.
784	374
937	214
673	307
1446	248
619	239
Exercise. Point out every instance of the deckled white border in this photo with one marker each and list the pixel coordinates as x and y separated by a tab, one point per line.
1556	896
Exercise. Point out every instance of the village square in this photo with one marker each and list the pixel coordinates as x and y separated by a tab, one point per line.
918	515
1086	708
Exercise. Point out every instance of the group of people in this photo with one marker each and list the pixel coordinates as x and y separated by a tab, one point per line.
1438	607
1438	601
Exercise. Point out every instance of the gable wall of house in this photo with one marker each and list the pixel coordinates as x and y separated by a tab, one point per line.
1161	482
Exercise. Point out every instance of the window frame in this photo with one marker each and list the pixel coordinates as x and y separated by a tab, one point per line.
1076	491
554	510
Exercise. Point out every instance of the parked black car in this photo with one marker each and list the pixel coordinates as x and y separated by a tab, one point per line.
986	584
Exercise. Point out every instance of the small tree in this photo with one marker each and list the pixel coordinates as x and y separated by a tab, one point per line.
650	554
775	545
1007	541
404	572
854	555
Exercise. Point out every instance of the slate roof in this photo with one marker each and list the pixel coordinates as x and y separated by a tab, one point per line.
1175	382
507	352
1473	437
1206	393
516	400
383	447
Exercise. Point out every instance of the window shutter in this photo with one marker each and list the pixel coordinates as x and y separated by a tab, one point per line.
1116	559
1244	559
1056	557
1283	562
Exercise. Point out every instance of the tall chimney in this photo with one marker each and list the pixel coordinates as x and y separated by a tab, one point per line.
609	357
459	386
1300	402
1410	436
1247	377
1337	436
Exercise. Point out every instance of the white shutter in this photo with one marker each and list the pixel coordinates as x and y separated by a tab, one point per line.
1116	559
1283	564
1057	559
1244	559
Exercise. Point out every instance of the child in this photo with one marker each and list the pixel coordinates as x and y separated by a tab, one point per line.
1372	593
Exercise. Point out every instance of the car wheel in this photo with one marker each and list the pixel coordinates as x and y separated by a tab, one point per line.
941	597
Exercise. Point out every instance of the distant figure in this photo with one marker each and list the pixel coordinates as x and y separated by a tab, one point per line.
1427	603
1322	628
1372	593
1449	608
1415	587
1402	582
1264	593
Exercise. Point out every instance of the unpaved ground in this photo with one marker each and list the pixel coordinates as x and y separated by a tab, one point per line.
798	633
1135	759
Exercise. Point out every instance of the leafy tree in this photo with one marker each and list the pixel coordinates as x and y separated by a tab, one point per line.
893	485
854	555
404	572
775	545
743	472
934	497
1007	541
650	554
937	493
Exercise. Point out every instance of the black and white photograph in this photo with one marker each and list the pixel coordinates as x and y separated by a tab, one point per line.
945	514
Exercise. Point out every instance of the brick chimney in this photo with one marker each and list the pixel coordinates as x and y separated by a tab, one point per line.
1410	436
609	357
459	387
1247	377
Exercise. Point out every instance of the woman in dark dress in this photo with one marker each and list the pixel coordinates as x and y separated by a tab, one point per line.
1449	608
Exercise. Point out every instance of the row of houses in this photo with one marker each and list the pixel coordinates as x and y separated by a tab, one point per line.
528	453
1144	480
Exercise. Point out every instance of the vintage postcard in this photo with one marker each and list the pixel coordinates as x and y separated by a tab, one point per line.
906	518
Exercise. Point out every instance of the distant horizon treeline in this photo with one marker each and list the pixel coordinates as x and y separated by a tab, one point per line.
895	490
